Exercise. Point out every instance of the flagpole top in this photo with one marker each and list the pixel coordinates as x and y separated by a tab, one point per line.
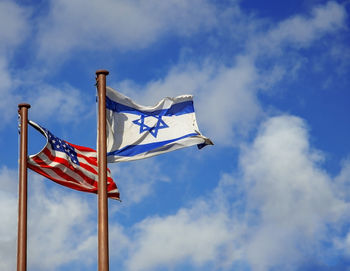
105	72
23	105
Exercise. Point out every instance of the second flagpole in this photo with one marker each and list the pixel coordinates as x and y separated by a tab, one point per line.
103	250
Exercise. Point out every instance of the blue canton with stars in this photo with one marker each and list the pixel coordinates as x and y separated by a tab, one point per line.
153	130
62	146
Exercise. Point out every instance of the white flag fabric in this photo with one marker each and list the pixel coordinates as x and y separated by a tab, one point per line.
136	132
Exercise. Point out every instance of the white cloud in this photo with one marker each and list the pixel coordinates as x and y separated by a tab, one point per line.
282	199
61	226
189	234
8	213
119	243
227	105
299	31
125	25
9	99
65	103
13	30
136	180
135	25
290	192
13	25
343	180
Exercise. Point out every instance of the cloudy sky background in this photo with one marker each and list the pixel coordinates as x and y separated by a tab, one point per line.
271	87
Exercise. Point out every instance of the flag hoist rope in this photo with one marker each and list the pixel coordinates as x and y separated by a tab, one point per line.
22	194
103	252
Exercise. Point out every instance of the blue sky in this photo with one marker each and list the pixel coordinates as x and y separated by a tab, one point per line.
270	81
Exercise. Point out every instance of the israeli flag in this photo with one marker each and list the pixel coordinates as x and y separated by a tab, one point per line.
136	132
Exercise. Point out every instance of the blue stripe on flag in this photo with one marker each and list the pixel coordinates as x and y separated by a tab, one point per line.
132	150
176	109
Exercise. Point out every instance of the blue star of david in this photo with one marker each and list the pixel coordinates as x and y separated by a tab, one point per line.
153	130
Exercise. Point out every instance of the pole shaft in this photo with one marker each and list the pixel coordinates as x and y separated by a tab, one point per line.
103	252
22	200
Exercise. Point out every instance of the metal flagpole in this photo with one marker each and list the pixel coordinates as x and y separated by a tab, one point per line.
103	253
22	201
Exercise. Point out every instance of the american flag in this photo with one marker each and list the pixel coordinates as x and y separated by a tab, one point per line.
69	165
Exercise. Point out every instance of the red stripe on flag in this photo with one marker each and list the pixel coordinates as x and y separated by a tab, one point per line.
66	178
67	184
81	148
69	165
